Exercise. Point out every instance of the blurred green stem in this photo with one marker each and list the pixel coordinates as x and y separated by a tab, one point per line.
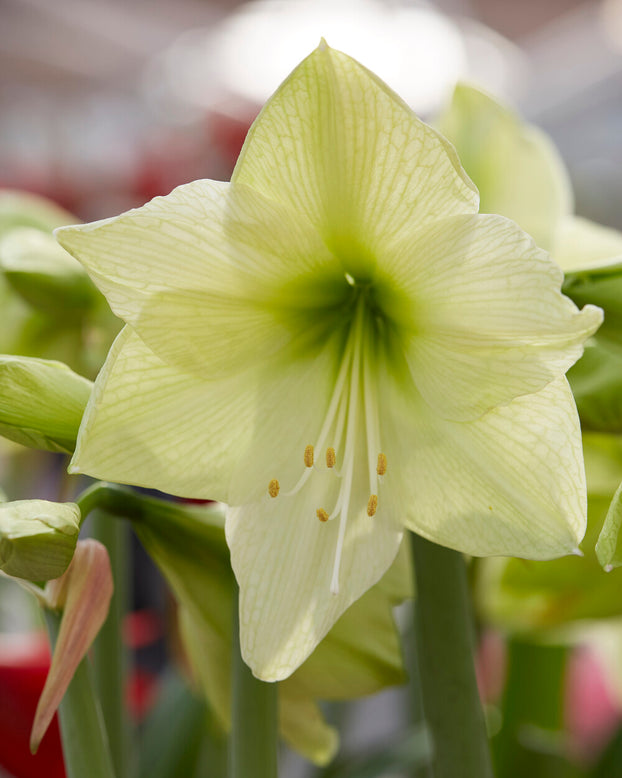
445	644
85	742
254	720
109	652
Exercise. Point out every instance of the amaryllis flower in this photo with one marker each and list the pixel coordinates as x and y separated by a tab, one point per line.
339	347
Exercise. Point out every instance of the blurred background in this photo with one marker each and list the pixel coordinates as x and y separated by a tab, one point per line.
105	104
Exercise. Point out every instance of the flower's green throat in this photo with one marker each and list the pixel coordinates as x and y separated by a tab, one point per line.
349	437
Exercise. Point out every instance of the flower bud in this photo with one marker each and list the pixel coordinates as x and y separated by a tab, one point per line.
37	538
41	402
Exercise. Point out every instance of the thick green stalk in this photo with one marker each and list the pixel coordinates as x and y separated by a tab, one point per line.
254	720
445	642
85	742
109	653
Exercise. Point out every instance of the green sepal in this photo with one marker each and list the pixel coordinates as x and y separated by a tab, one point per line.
41	402
45	275
37	538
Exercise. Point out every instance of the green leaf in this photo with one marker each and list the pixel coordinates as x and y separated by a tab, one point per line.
37	538
596	382
603	287
41	402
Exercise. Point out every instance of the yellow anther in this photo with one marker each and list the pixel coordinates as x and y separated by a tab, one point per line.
372	505
321	514
308	457
330	457
273	487
381	467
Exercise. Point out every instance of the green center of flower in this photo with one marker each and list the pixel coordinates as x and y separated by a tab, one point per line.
350	427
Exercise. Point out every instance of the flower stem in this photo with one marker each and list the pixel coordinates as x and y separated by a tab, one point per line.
254	727
109	653
445	643
85	742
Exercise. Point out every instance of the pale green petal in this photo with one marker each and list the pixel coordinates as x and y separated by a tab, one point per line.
488	320
283	560
195	562
362	653
152	425
516	167
342	148
509	483
213	276
584	245
303	727
41	402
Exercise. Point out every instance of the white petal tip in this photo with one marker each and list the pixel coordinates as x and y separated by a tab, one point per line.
608	568
577	552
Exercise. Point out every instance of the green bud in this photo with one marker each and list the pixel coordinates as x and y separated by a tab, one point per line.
41	402
37	538
44	274
22	209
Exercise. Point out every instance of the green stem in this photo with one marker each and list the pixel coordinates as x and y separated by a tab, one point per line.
85	743
109	653
254	727
445	644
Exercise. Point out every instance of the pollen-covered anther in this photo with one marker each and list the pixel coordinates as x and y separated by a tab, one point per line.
308	457
330	457
381	467
274	487
322	514
372	504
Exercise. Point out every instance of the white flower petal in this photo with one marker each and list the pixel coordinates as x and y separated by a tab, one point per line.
152	425
488	319
342	148
212	277
283	560
509	483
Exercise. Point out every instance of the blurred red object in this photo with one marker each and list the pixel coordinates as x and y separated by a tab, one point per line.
24	664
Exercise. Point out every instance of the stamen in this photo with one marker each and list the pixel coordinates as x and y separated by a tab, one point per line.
330	457
372	505
274	488
308	457
321	514
381	467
